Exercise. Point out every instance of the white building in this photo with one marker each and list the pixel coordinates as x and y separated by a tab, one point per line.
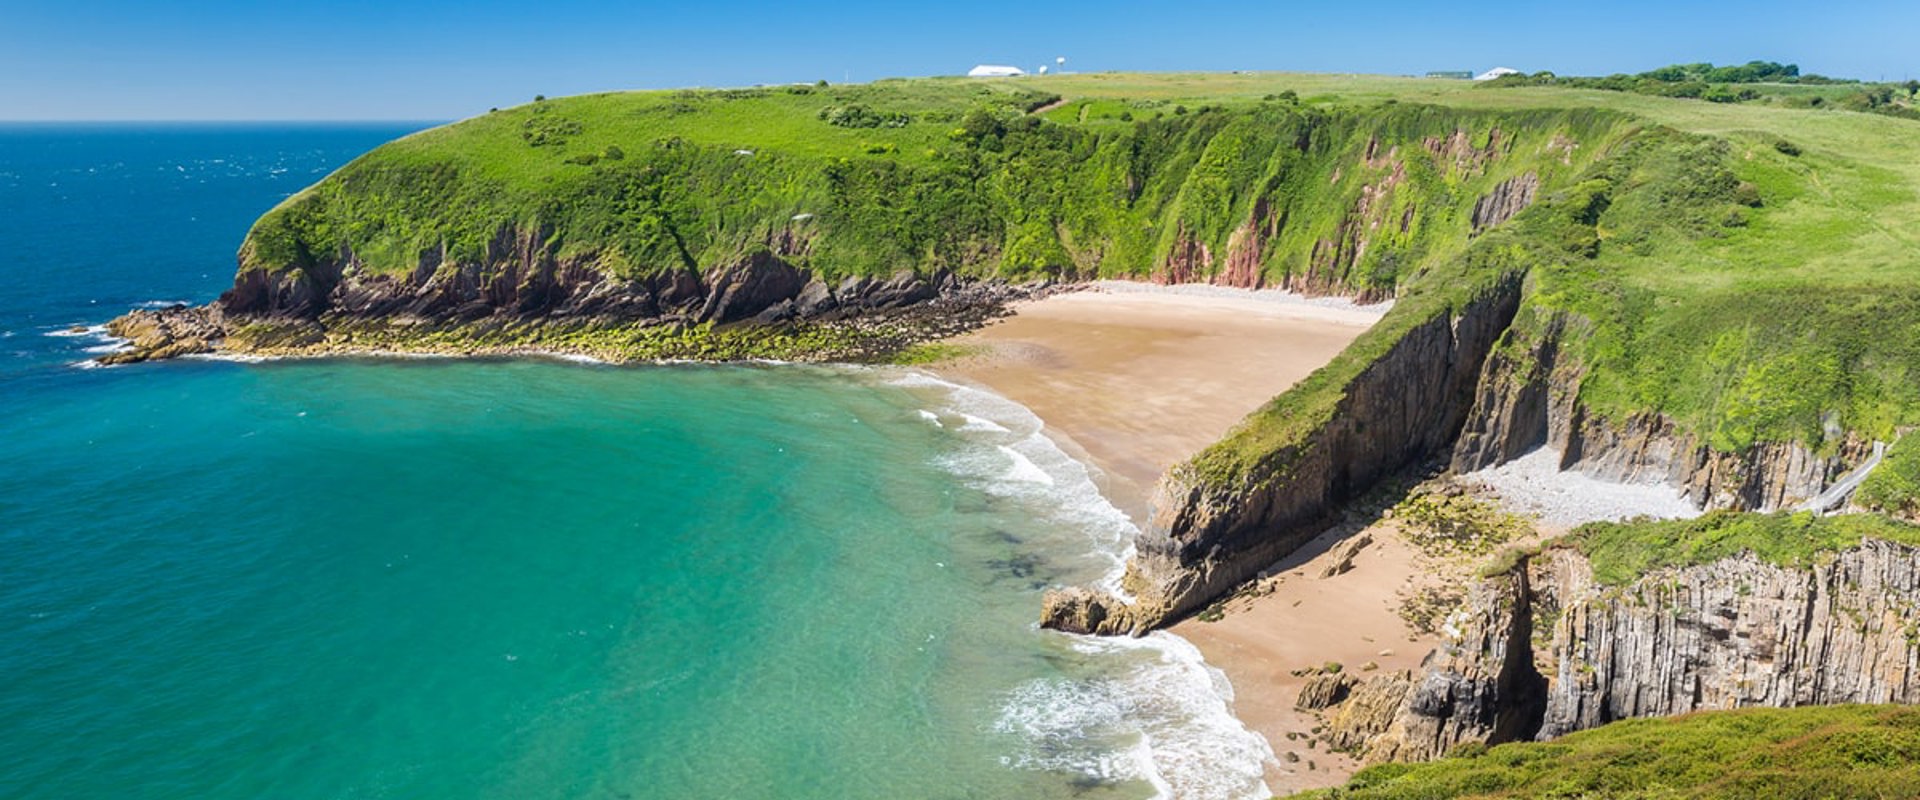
995	71
1496	72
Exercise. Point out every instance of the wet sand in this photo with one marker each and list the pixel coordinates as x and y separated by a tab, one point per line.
1136	380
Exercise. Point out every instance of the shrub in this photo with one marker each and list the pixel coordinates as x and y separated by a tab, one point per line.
545	131
1786	147
859	116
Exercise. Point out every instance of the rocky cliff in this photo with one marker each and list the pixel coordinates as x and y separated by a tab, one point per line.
1206	536
1546	649
1528	396
523	284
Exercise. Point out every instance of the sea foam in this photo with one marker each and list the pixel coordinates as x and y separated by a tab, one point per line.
1148	709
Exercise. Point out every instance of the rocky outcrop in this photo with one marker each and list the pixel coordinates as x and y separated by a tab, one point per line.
1507	199
1528	396
522	281
1545	650
170	332
1207	535
1480	686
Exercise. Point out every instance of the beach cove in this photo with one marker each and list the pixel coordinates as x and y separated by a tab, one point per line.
1135	378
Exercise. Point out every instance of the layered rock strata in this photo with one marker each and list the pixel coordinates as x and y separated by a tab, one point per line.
1528	396
524	285
1545	650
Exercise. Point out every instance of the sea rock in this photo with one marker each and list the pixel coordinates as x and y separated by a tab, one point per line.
1340	558
1324	690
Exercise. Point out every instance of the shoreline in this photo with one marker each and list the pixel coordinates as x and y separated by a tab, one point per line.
1128	379
1139	377
1134	379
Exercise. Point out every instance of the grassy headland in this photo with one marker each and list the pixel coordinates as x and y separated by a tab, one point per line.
1748	269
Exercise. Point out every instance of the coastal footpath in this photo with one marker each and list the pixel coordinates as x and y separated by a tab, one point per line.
1716	297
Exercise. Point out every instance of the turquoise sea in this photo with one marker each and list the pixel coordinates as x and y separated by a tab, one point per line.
417	578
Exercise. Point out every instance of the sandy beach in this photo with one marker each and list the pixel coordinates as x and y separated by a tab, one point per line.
1138	378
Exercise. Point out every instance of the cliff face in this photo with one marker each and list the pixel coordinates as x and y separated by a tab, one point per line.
1206	536
1732	634
1546	651
1528	396
524	284
522	275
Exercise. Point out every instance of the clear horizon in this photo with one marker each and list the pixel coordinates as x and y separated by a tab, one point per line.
435	60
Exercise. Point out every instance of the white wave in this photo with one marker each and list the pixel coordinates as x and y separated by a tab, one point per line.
1164	717
931	417
974	423
1014	459
160	303
238	358
1023	468
575	358
110	347
90	330
1155	711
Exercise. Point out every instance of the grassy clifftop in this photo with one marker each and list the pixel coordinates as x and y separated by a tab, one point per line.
1749	270
938	174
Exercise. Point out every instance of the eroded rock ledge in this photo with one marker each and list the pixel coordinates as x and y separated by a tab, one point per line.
757	307
1545	650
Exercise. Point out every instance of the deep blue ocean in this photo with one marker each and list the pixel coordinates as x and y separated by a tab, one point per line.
429	578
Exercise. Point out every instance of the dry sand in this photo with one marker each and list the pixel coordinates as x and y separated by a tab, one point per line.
1296	619
1136	380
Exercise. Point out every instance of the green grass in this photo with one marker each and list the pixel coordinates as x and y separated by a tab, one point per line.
1746	290
1784	754
1894	486
1622	552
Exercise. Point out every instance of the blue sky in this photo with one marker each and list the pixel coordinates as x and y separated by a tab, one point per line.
141	59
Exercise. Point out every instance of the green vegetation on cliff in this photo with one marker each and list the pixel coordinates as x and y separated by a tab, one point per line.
1894	487
1622	552
1747	271
1811	753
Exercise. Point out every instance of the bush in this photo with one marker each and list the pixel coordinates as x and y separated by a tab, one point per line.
546	131
1786	147
859	116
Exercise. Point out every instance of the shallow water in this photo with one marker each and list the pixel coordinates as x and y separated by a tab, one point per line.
438	578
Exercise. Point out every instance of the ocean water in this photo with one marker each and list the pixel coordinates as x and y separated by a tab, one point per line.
424	578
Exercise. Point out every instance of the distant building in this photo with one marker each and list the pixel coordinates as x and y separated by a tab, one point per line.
1455	74
1496	72
995	71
